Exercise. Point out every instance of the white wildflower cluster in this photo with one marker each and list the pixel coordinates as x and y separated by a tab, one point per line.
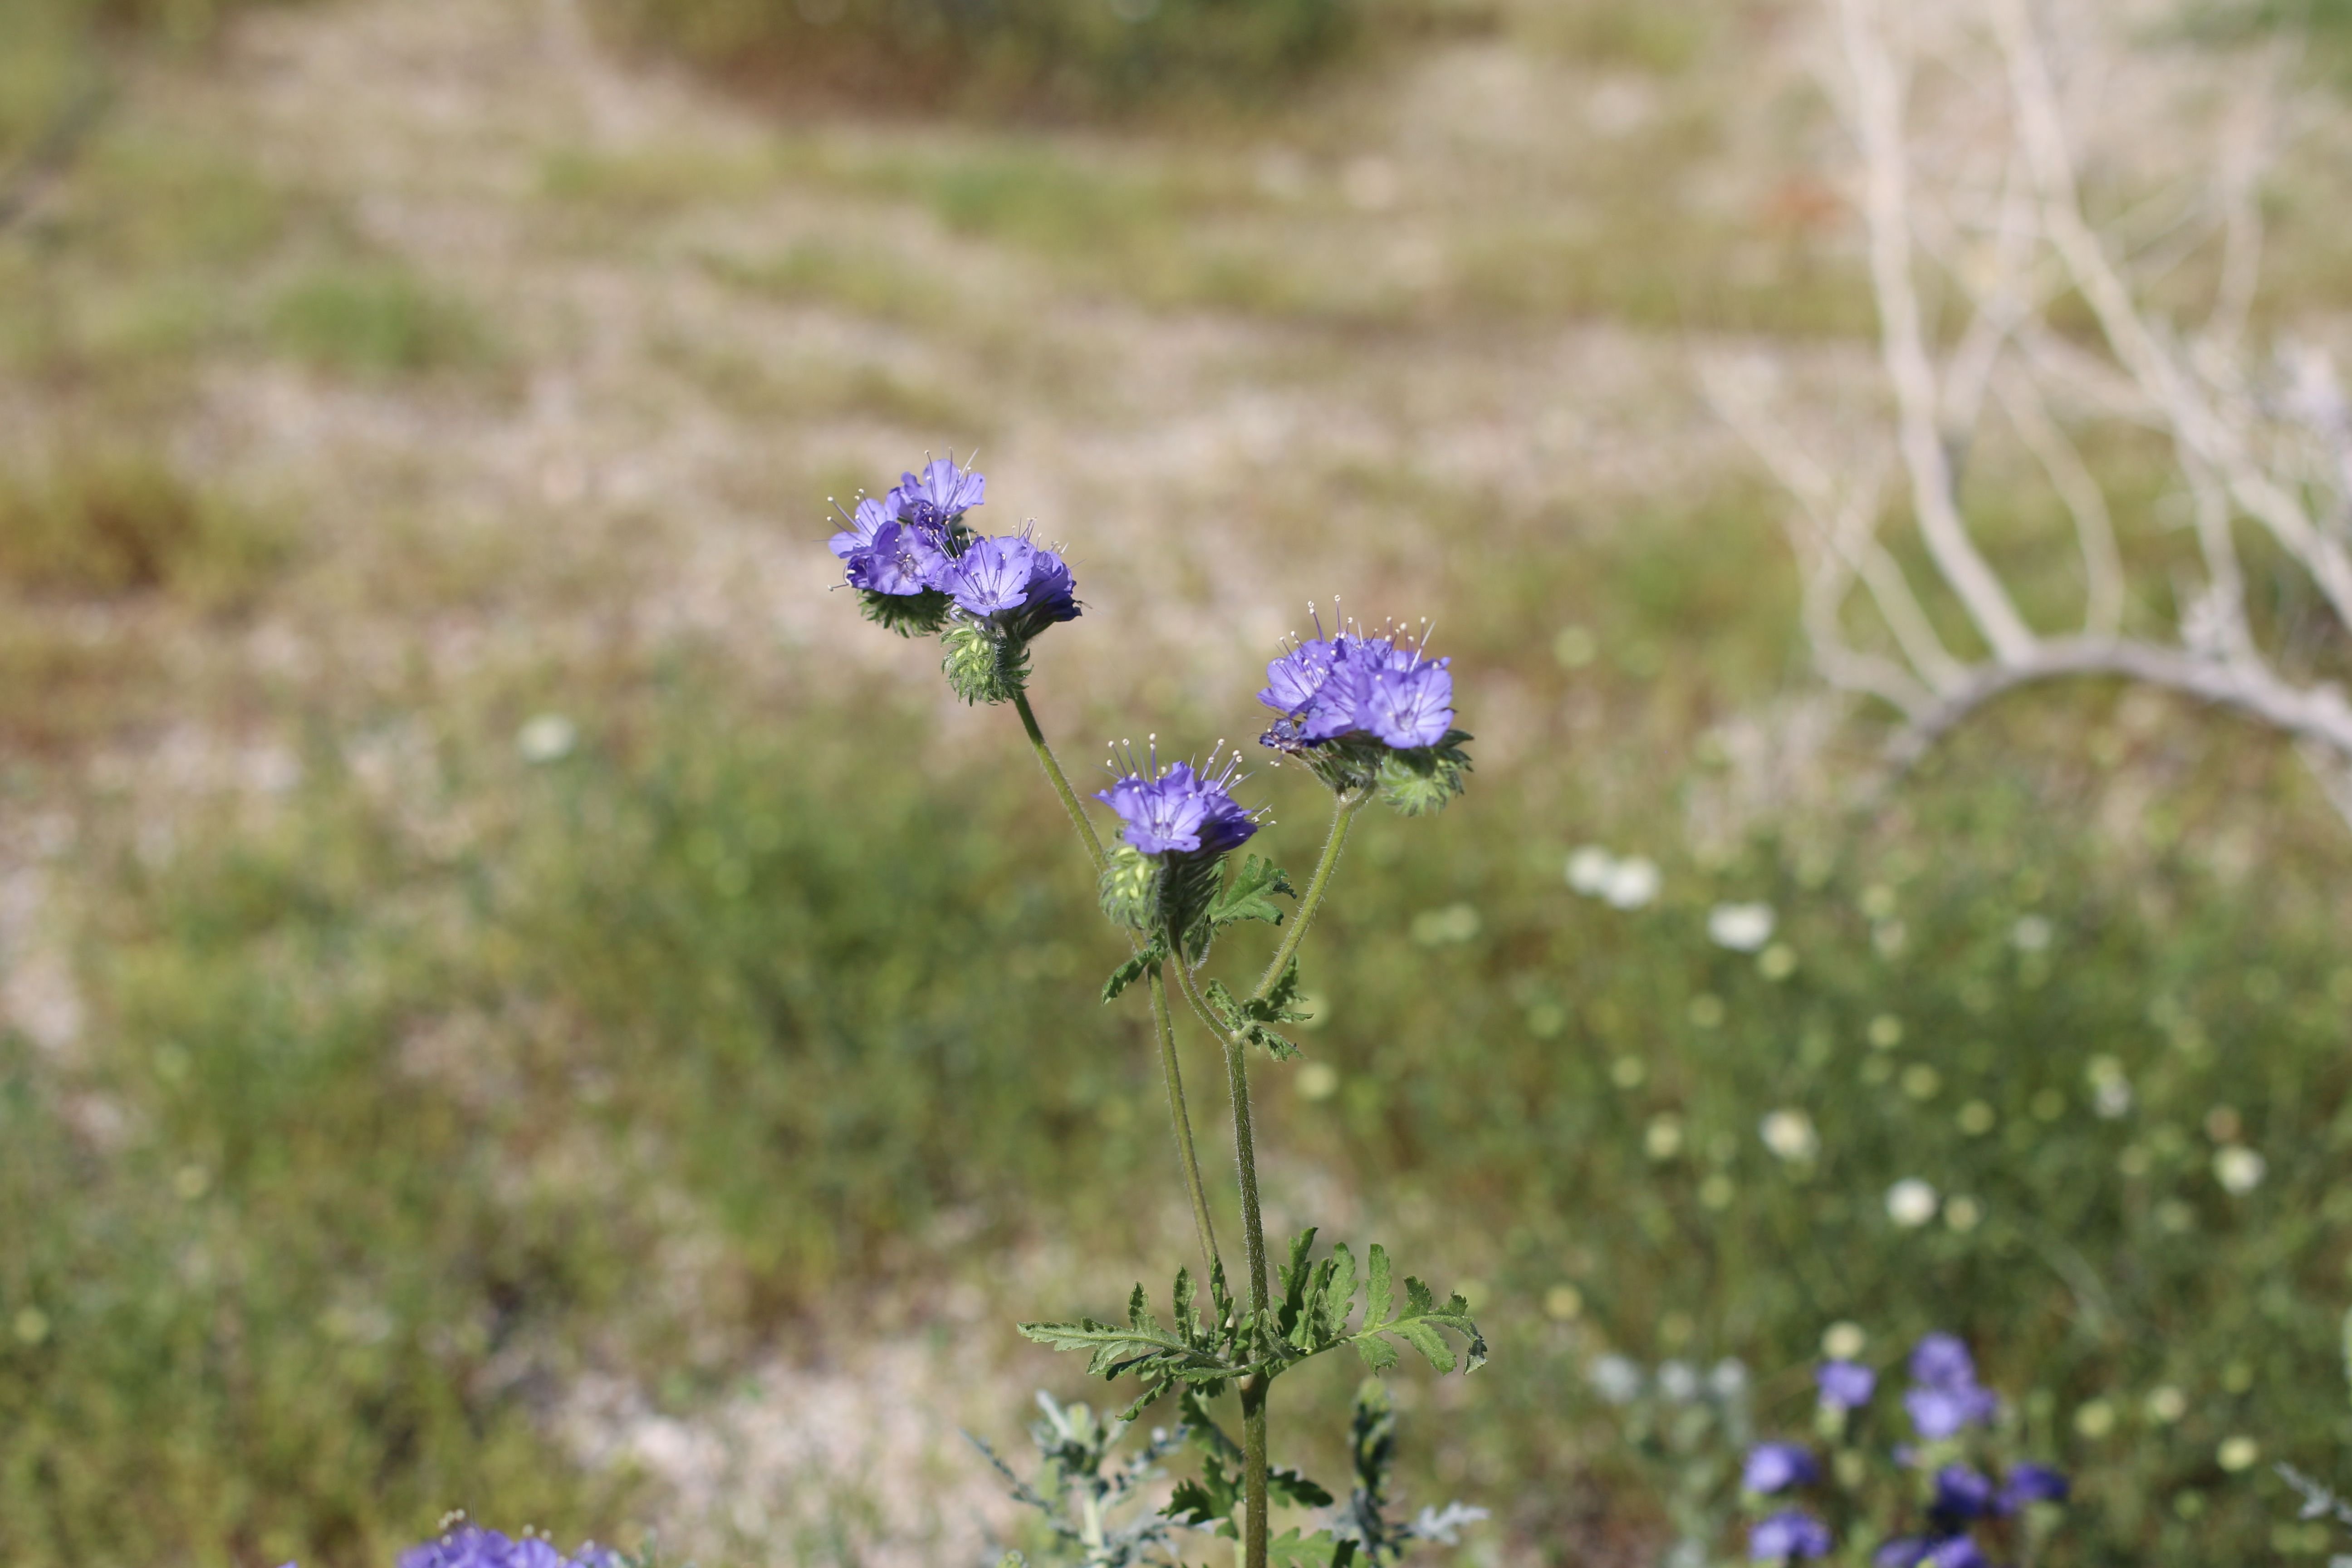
1628	883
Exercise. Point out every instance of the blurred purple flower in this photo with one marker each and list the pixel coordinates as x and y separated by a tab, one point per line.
1961	1494
1848	1385
2031	1483
1942	1360
1774	1467
471	1546
1940	1413
1787	1536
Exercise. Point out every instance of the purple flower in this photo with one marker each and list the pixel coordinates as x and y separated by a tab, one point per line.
1961	1494
471	1546
1846	1384
871	514
992	575
2031	1483
1940	1413
1327	687
1942	1360
1955	1551
1179	811
1775	1466
940	493
1787	1536
1411	707
1903	1551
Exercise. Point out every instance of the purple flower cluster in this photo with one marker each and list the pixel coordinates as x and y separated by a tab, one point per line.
912	540
471	1546
1327	687
1944	1401
1178	811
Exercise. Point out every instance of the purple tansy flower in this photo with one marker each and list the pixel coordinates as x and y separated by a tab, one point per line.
2031	1483
1848	1385
1051	595
871	514
1410	707
1903	1551
1776	1466
1293	680
1942	1360
1179	811
1787	1536
992	576
898	561
1961	1494
941	492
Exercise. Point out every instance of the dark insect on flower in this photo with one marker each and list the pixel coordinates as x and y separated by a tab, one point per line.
1846	1384
1788	1536
1177	810
1776	1466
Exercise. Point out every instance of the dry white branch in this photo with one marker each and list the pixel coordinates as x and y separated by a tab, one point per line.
1974	194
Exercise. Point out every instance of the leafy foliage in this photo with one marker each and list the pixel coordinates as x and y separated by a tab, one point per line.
1252	1017
1250	895
1083	1495
1419	782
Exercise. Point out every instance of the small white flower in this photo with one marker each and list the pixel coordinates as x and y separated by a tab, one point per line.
547	738
1616	1379
1742	927
1589	868
2112	1098
1678	1381
1911	1202
2238	1453
2238	1169
1789	1134
1729	1378
2032	934
1662	1140
1844	1340
1632	882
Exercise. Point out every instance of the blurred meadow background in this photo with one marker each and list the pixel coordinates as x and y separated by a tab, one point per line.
512	997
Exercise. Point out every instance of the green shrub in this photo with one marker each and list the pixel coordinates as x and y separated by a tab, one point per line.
1088	56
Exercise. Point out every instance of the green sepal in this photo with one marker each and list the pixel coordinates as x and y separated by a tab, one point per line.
982	665
1424	779
910	615
1129	890
1251	894
1134	969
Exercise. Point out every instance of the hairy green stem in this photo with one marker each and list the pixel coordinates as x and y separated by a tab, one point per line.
1253	1483
1060	780
1182	1118
1162	1023
1254	1388
1343	814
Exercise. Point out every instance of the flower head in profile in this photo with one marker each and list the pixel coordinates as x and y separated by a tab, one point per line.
1366	709
1788	1536
1177	810
1776	1466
